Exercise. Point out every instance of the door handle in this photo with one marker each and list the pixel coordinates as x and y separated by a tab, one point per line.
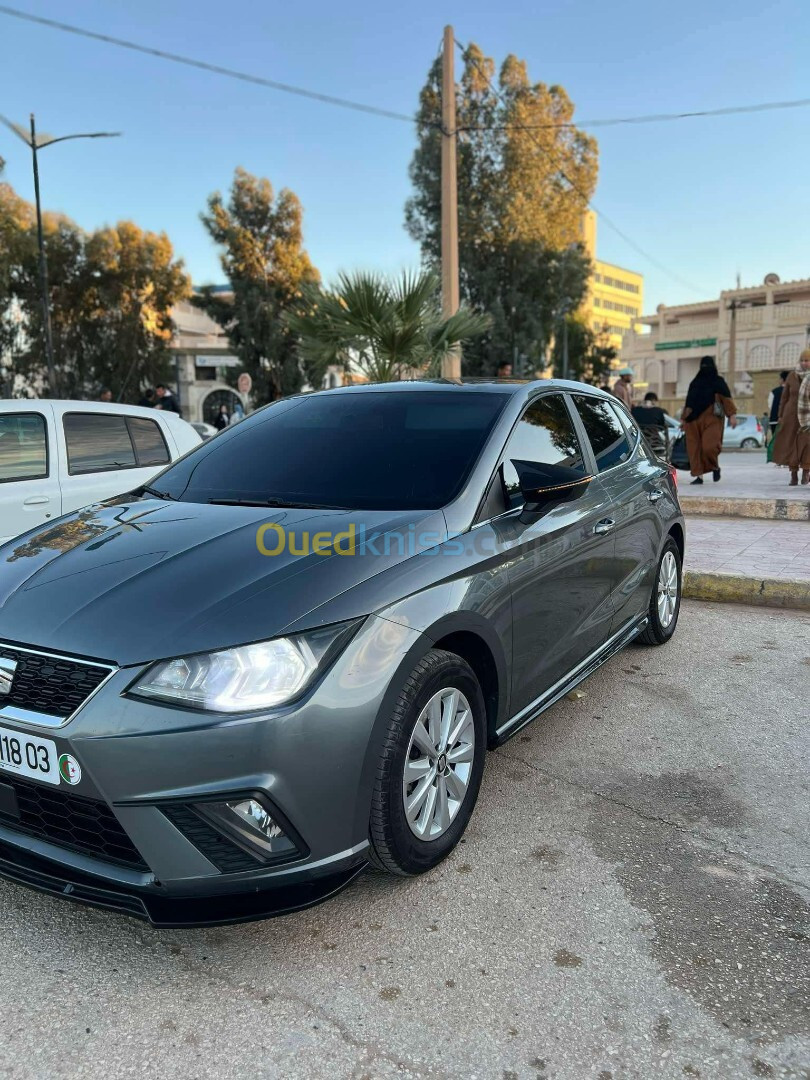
655	495
36	500
603	526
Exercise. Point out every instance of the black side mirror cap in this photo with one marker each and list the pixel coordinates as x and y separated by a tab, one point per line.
543	485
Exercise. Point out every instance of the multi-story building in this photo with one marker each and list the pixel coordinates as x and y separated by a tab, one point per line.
202	352
771	323
615	296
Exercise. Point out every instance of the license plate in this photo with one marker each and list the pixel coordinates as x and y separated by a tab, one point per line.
27	755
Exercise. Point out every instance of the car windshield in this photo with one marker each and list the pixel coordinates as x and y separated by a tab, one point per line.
402	450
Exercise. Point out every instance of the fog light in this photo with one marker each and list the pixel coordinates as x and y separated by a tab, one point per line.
252	825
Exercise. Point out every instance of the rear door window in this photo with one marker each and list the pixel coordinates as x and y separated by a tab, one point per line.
605	431
147	438
23	447
97	443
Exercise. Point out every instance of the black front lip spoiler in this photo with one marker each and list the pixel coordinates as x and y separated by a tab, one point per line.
165	912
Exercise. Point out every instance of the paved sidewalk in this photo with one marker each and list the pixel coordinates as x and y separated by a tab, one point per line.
759	549
745	476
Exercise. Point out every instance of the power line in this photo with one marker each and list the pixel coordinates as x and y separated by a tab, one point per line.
203	65
611	224
650	118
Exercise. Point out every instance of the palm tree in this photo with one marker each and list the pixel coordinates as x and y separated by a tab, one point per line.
385	329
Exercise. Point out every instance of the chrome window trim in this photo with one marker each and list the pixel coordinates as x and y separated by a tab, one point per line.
32	718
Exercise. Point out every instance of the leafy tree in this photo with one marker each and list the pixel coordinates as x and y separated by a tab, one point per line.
383	328
111	295
525	176
261	238
589	354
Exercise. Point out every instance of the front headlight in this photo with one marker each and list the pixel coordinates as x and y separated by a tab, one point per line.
246	678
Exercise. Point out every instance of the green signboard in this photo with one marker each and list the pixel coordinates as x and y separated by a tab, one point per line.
694	344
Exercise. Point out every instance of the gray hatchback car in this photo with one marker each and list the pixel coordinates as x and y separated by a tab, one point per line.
224	695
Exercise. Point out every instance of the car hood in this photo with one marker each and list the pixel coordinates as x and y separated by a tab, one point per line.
134	580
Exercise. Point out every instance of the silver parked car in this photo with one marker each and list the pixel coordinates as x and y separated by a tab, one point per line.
747	435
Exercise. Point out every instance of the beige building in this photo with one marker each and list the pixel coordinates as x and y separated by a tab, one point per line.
771	328
202	354
615	295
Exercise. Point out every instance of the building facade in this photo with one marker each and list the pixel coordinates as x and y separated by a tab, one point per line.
202	354
770	325
615	295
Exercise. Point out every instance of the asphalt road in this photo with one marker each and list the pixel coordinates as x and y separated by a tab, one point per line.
630	902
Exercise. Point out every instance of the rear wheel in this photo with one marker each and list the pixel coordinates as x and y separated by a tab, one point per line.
665	602
430	767
749	444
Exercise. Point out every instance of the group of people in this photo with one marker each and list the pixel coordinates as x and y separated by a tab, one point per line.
790	421
159	398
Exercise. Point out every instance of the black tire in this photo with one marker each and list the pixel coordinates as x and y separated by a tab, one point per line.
749	444
654	633
394	847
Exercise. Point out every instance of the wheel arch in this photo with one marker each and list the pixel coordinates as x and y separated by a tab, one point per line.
678	535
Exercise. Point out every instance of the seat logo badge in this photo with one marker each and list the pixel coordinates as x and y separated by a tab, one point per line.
7	669
69	769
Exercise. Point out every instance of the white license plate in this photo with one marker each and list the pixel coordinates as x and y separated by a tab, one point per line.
26	755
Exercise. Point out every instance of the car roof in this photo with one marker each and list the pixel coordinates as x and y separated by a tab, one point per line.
64	406
469	386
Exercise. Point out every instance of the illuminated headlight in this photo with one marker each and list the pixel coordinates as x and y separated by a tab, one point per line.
246	678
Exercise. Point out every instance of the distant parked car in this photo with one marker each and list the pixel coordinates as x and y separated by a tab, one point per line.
57	456
747	434
205	431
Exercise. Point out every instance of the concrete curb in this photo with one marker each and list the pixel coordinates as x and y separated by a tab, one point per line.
734	589
767	509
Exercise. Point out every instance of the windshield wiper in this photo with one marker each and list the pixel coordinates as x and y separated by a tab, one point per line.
145	489
278	504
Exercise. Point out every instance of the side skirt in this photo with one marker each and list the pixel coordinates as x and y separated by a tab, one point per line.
581	672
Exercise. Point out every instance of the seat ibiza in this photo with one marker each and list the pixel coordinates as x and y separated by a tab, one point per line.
226	693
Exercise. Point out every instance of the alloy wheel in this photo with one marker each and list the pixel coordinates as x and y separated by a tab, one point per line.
667	590
438	764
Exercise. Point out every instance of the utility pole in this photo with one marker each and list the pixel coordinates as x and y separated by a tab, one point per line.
43	270
35	144
732	347
451	362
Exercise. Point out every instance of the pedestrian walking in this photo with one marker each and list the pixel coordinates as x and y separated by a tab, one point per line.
222	419
708	404
775	398
791	446
623	387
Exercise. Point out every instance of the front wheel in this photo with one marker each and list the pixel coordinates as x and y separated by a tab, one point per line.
749	444
665	602
430	768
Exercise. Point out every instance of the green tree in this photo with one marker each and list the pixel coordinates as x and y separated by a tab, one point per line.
525	176
111	295
589	354
264	260
385	329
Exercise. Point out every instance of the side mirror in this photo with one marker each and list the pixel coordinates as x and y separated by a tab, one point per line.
544	485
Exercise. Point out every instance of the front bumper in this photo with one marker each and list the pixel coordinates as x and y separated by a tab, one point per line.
313	761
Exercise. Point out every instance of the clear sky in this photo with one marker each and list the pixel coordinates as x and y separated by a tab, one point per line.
707	197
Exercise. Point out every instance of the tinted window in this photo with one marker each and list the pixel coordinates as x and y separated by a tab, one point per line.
544	434
605	432
407	449
23	446
147	438
96	442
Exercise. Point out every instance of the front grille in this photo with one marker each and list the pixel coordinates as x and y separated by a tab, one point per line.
71	821
218	849
50	684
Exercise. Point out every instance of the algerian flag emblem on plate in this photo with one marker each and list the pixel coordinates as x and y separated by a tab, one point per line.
69	769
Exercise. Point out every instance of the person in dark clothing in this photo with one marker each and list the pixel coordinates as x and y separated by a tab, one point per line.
708	403
222	419
166	399
651	418
148	399
776	398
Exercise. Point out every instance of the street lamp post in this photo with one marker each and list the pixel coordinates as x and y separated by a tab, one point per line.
36	144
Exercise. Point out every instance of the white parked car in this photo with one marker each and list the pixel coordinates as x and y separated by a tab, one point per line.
57	456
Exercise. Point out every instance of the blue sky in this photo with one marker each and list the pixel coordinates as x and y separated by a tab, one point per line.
706	197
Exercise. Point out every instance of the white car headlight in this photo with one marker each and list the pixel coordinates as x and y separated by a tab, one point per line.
246	678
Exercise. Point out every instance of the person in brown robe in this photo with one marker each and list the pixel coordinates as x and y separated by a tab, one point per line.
791	445
703	427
